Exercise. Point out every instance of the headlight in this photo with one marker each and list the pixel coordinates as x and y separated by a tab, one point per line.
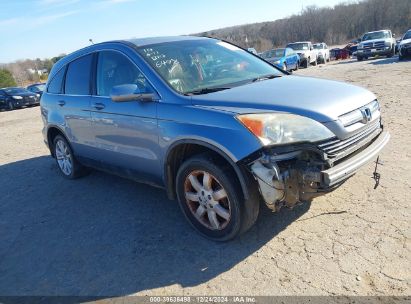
281	128
17	97
360	46
277	62
37	95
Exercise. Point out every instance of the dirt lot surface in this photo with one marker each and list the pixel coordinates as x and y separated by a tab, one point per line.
103	235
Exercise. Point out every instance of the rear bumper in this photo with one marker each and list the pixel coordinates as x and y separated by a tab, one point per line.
349	167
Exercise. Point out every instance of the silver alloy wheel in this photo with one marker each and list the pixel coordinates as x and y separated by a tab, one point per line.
207	200
64	157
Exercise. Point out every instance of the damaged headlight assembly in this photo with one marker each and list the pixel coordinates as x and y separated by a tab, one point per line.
283	128
279	186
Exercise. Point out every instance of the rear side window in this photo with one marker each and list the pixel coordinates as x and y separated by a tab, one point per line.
78	76
56	84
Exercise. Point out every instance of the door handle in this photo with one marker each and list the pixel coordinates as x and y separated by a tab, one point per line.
61	103
98	106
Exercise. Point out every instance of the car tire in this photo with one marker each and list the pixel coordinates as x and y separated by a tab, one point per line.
297	66
359	58
67	164
306	63
203	186
315	62
400	57
10	106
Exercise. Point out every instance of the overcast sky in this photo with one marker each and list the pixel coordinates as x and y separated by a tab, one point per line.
47	28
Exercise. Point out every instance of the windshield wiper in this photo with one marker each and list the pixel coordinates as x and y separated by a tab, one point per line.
206	91
265	77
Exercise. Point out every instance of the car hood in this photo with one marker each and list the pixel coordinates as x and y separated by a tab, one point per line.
375	40
318	99
25	94
405	41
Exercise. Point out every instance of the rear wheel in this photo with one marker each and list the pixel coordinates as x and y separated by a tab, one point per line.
359	58
211	199
68	166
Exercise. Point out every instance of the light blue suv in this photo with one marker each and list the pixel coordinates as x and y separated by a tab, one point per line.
217	127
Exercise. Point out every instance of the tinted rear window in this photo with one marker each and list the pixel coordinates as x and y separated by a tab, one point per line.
56	84
78	76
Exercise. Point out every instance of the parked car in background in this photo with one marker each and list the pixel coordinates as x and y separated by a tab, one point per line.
11	98
323	53
148	109
252	50
337	54
37	88
377	43
284	58
352	48
306	52
404	48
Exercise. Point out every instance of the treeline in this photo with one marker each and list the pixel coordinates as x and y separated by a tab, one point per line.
27	71
337	25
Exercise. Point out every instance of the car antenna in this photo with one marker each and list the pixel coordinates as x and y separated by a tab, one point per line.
91	41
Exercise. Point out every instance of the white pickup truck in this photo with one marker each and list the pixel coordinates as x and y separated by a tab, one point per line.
377	43
323	53
306	52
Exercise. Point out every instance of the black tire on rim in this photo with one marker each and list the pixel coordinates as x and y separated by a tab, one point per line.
68	166
211	199
306	63
10	106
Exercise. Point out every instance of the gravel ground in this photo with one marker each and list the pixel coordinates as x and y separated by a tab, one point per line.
103	235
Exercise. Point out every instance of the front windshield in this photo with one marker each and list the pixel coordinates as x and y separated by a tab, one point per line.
376	35
189	66
407	35
298	46
13	91
318	46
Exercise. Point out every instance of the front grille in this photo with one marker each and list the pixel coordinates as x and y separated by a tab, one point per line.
375	45
336	149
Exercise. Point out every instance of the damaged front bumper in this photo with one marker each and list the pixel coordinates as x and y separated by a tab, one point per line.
298	173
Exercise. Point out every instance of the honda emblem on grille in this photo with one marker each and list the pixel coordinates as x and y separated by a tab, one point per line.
366	114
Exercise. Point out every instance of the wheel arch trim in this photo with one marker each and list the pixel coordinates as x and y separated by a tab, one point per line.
221	151
58	128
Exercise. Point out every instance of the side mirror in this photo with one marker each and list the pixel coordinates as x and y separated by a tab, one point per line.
129	92
393	35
